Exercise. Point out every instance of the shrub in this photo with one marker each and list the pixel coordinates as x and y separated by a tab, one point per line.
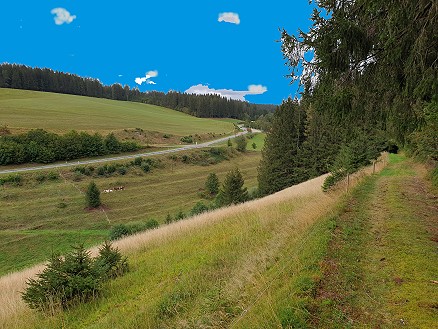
180	215
137	161
74	278
145	167
14	179
101	171
241	143
40	178
254	146
168	219
198	208
229	143
53	175
119	231
92	196
151	224
187	139
110	263
122	170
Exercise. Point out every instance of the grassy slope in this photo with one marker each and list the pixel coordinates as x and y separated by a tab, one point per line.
382	260
32	224
233	267
24	110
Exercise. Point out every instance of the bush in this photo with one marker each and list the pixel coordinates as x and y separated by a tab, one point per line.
14	179
145	167
74	278
40	178
123	230
151	224
119	231
198	208
110	263
168	219
122	170
187	139
180	215
137	161
241	143
53	176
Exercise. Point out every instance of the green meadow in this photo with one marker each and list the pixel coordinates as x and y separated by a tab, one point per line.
22	110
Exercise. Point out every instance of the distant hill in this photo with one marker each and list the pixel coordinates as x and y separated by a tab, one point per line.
211	106
22	110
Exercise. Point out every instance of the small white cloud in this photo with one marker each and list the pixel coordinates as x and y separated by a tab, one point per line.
228	93
152	74
62	16
229	18
146	78
257	89
120	75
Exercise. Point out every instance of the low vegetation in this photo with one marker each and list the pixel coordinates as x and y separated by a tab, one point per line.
40	146
74	278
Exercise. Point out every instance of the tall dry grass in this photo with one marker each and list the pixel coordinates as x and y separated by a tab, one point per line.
308	196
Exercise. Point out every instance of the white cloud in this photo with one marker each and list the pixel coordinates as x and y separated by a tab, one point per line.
228	93
146	78
229	18
257	89
120	75
62	16
152	74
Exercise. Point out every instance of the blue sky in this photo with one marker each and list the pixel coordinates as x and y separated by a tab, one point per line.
176	45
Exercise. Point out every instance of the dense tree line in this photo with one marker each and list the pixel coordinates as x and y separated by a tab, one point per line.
372	82
209	106
44	147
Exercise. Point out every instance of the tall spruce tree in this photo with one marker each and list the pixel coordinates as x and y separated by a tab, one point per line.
281	165
232	191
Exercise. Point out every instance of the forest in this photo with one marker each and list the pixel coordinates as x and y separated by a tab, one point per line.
367	76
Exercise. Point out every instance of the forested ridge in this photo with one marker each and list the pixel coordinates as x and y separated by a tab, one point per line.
207	106
367	72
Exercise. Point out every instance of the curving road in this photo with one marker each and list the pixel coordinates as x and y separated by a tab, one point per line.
122	157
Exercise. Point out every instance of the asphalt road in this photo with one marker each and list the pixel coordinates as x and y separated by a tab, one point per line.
122	157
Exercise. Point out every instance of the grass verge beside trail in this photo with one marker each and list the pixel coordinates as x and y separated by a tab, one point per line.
382	262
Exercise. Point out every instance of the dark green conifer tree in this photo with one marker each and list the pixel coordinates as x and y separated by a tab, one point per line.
92	196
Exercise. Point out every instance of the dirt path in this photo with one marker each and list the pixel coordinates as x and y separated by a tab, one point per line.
382	265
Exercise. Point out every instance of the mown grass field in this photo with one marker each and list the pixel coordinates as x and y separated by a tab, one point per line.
38	218
23	110
258	140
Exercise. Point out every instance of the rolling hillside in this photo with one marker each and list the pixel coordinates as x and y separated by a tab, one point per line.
23	110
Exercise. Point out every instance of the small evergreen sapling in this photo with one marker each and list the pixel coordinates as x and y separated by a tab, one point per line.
92	196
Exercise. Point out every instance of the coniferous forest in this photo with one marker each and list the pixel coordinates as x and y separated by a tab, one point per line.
367	72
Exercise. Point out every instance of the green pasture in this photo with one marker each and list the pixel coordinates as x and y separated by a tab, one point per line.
24	110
